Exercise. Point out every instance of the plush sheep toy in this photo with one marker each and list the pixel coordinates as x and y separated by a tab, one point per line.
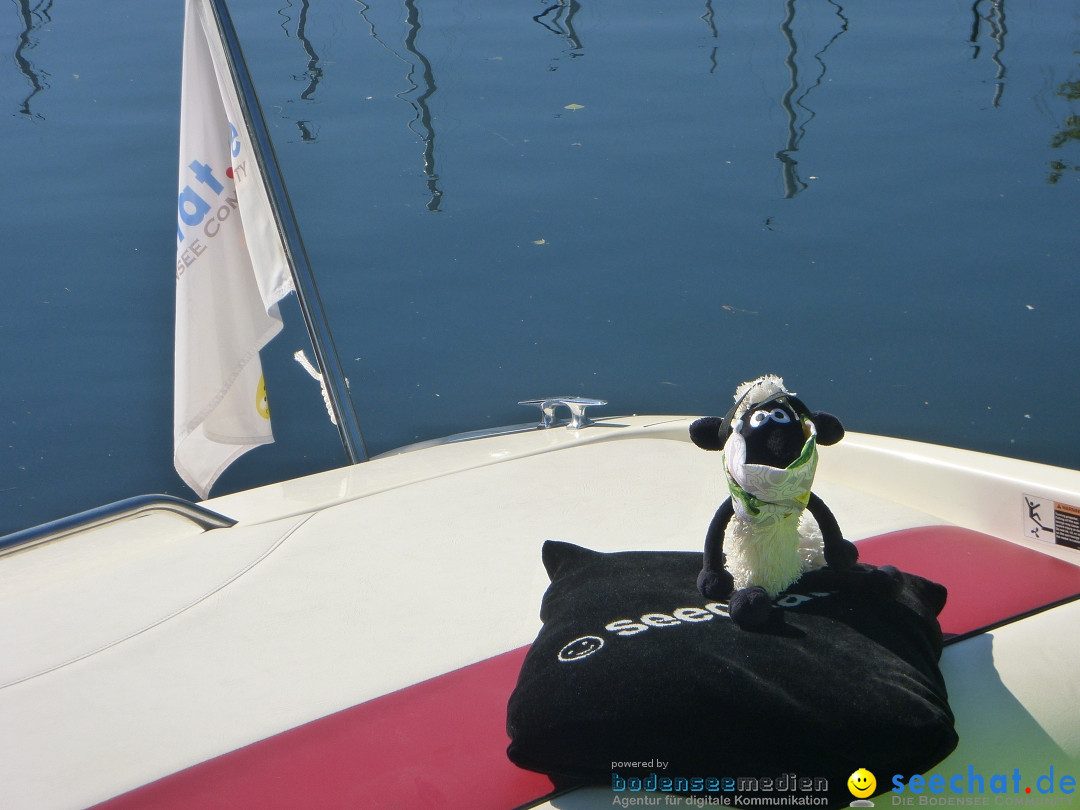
760	541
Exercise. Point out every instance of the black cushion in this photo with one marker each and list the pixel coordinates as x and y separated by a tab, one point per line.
636	676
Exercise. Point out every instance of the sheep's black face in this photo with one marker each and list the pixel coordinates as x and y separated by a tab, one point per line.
773	433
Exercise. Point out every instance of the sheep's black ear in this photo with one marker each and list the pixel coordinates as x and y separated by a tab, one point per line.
705	433
829	429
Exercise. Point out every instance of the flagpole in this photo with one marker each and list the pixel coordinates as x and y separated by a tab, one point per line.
307	293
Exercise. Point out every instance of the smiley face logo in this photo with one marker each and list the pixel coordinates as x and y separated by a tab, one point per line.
862	783
580	648
262	406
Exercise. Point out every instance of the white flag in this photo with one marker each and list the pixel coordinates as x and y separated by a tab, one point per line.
231	268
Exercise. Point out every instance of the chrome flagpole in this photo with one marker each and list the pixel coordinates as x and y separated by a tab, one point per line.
307	292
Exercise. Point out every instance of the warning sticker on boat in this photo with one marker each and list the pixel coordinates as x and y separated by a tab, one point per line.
1051	521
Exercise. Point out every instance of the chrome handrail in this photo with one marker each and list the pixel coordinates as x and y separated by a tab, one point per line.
111	513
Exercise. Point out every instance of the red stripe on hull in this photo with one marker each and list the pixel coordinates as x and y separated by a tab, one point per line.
990	581
440	743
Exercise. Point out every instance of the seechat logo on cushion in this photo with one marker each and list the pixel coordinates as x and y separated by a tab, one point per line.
584	646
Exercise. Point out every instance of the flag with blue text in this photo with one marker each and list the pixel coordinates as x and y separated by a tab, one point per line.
231	268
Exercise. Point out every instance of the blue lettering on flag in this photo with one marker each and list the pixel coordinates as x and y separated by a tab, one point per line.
192	208
204	174
194	214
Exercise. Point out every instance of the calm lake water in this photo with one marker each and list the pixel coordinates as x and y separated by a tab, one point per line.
643	202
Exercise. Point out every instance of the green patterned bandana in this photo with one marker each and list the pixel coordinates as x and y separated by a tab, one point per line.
763	494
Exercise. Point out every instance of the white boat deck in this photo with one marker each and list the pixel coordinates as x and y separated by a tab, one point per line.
141	648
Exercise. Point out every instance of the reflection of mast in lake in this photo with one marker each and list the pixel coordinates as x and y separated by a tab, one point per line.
996	20
709	18
559	19
421	124
796	129
33	18
313	73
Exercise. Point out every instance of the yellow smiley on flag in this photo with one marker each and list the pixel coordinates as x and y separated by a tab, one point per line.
262	405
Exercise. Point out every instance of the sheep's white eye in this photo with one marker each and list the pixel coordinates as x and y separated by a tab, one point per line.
778	415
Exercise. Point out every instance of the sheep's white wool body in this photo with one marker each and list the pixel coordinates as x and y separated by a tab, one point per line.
774	556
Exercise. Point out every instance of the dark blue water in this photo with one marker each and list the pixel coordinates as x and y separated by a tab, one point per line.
643	202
